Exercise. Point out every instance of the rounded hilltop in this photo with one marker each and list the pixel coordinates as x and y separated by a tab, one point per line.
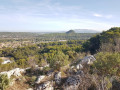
70	32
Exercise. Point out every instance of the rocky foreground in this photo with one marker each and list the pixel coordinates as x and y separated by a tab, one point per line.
76	76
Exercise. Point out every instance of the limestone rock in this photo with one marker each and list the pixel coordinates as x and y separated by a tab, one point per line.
79	66
79	72
45	86
16	72
40	78
30	89
72	83
58	77
88	59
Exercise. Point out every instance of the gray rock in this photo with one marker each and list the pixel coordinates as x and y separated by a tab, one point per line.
79	72
45	86
39	79
88	60
72	83
79	66
16	72
58	78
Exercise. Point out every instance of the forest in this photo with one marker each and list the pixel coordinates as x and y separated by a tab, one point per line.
38	37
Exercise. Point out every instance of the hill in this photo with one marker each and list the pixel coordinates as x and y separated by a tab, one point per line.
70	32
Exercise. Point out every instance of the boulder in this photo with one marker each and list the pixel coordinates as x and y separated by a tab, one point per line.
39	79
58	78
88	60
16	72
46	86
72	83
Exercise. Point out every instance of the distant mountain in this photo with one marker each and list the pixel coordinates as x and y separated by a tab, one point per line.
70	32
86	31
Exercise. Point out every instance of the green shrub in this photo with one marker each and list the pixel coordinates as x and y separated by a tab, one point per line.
4	82
59	60
107	63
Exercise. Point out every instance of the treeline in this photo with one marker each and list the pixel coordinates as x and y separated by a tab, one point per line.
37	37
65	36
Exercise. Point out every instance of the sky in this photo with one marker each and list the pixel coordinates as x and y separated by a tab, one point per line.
58	15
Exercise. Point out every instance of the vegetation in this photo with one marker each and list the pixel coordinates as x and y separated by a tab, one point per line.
110	37
103	74
42	54
4	82
108	63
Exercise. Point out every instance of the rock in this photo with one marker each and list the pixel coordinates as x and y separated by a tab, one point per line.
88	60
50	73
6	61
72	83
79	72
45	86
72	67
47	65
79	66
58	78
16	72
39	79
41	68
30	89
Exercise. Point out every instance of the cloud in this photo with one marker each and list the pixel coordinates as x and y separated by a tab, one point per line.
97	15
103	16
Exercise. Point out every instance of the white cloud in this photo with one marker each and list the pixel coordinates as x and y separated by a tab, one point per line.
103	16
97	15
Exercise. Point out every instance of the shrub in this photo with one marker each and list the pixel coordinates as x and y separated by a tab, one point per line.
107	63
4	82
59	60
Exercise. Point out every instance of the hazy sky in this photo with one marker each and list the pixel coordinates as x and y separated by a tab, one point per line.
58	15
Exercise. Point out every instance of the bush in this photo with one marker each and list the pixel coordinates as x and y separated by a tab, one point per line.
4	82
107	63
59	60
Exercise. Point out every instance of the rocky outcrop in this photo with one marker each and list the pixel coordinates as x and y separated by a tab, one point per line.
45	86
72	83
58	78
88	60
16	72
39	79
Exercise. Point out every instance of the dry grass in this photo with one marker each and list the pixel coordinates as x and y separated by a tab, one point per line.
19	85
